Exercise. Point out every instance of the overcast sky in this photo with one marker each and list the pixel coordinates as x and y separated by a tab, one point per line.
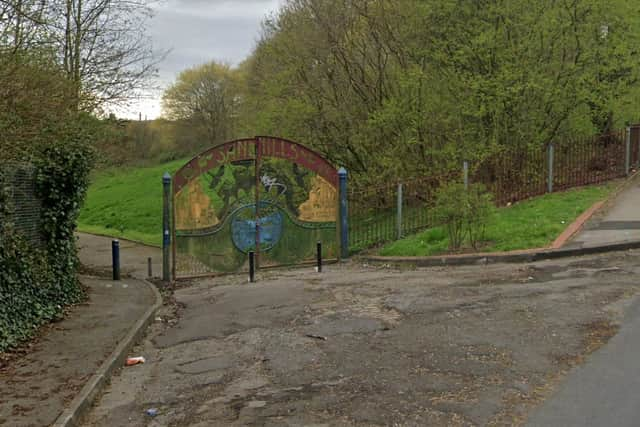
198	31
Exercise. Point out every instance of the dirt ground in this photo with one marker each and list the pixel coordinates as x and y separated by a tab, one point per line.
367	346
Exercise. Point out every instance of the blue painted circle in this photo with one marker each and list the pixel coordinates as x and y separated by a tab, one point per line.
243	227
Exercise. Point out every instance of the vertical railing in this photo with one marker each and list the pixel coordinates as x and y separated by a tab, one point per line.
627	151
399	213
344	213
391	212
166	226
550	152
465	174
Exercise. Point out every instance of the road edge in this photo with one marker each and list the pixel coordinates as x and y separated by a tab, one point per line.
80	405
121	239
524	256
577	225
598	208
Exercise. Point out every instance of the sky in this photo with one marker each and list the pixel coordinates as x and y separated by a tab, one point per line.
198	31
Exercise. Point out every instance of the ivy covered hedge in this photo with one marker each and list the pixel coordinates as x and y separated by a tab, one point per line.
37	283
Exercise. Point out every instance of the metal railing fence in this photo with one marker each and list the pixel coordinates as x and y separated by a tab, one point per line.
389	212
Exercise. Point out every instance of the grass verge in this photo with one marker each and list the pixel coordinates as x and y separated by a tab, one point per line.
127	203
528	224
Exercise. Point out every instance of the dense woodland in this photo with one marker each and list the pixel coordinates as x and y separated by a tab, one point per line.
387	88
394	88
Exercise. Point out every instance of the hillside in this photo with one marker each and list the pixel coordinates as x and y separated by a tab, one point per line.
127	203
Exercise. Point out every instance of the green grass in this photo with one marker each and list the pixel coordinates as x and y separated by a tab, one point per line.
532	223
127	203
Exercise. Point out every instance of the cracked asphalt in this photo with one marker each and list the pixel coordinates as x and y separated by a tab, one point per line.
364	346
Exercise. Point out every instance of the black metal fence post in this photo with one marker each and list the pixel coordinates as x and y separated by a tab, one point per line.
115	259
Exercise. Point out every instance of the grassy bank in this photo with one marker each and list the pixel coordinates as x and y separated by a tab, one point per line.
127	203
532	223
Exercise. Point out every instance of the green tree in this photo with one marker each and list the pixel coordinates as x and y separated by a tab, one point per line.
205	101
399	88
34	103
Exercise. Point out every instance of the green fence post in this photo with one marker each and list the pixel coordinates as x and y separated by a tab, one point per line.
344	220
550	166
166	226
399	212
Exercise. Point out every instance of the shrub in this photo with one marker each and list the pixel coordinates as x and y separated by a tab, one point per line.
464	213
37	283
480	210
451	211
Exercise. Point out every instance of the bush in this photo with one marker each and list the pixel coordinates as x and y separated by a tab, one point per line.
37	283
451	211
463	213
480	211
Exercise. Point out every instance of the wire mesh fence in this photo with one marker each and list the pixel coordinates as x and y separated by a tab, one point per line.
388	212
24	208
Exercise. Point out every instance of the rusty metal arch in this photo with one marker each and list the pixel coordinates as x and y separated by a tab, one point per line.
263	146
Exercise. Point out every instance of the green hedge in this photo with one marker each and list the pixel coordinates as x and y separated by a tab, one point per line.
37	283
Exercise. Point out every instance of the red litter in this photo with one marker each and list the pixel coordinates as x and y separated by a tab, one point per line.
134	361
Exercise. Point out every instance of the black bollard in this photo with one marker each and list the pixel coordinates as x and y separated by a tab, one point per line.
149	268
319	256
115	259
252	267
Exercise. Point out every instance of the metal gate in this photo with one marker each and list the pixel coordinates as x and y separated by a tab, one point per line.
265	194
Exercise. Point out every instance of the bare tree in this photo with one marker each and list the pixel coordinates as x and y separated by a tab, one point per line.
22	24
104	49
101	45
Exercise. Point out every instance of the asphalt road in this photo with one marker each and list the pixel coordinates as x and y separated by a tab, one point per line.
605	391
359	346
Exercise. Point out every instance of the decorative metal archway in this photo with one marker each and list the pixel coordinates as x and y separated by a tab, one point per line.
264	194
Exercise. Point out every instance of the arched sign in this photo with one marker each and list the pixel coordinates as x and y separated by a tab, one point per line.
264	194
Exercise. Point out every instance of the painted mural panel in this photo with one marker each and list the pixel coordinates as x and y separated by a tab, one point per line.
267	195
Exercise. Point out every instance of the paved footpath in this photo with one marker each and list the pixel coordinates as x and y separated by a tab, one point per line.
618	223
37	386
95	253
604	391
